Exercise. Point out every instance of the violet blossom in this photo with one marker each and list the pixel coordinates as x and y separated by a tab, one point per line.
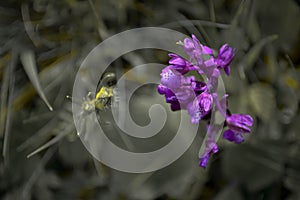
211	148
225	57
197	97
238	124
200	107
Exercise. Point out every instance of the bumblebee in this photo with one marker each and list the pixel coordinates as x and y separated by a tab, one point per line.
103	97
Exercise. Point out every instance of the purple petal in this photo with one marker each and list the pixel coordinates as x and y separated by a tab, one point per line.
198	86
239	122
227	70
223	48
204	161
161	89
225	57
185	95
205	101
176	60
190	79
233	137
189	47
170	78
207	50
180	64
193	110
221	104
170	97
243	118
175	106
211	148
200	107
210	62
197	44
188	44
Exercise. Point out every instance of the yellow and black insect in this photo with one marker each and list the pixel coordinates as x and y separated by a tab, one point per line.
102	101
103	98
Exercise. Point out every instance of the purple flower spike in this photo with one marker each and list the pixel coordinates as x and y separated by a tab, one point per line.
225	57
185	92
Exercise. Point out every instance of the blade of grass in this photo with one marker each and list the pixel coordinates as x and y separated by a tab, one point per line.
39	137
235	20
28	61
37	172
51	142
9	107
252	55
189	26
102	30
28	25
39	117
4	95
54	140
196	23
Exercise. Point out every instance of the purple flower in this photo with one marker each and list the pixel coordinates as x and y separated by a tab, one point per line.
225	57
221	104
171	78
185	95
233	136
211	148
186	92
198	86
200	107
212	73
238	124
180	64
178	95
195	49
170	97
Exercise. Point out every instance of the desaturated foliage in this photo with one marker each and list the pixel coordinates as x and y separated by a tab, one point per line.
43	43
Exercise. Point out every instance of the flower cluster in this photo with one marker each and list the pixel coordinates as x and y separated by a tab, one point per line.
197	97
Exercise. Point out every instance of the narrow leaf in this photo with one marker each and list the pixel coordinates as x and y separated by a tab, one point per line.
28	61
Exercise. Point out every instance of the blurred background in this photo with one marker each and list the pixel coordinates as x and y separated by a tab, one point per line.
44	42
